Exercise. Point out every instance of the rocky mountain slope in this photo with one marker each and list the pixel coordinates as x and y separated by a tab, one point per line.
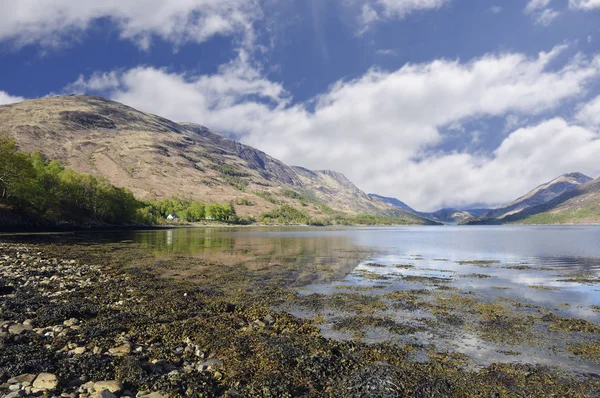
447	216
157	158
540	195
579	206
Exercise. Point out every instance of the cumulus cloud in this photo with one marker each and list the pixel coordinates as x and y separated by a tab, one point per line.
589	114
178	21
5	98
584	4
383	129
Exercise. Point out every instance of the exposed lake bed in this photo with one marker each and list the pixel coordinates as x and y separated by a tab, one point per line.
404	311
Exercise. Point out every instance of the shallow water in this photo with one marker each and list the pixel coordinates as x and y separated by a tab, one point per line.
532	270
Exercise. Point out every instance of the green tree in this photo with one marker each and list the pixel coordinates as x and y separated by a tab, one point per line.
16	170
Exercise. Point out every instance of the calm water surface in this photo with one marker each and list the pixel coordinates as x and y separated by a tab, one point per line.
547	267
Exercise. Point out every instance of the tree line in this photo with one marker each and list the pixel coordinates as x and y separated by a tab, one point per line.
45	189
189	210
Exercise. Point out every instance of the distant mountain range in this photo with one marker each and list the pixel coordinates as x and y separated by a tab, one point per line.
447	215
572	198
569	199
157	158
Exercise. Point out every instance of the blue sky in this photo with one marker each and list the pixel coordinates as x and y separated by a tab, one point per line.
436	102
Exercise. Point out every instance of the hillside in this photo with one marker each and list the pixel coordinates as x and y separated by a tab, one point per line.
580	206
540	195
157	158
446	216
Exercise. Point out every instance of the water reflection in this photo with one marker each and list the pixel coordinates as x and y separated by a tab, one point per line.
554	269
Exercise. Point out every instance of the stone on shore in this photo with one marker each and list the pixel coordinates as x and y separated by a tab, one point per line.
153	395
24	378
111	385
45	381
123	349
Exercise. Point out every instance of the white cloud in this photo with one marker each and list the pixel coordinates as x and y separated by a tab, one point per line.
546	17
400	8
383	129
584	4
541	13
496	9
385	51
377	10
5	98
178	21
589	114
535	5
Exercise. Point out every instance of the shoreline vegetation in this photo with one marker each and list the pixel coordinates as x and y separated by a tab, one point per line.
38	194
102	320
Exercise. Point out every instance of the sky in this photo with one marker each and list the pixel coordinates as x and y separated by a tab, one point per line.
440	103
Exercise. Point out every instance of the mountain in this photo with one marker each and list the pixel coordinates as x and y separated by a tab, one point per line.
453	216
540	195
446	216
579	206
569	199
394	202
157	158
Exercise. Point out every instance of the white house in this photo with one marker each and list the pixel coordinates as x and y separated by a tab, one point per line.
173	217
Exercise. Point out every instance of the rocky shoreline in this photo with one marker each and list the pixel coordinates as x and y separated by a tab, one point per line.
93	321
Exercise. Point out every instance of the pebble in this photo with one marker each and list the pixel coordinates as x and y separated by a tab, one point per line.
71	322
123	349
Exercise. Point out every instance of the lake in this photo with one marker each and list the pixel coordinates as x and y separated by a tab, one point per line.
526	294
